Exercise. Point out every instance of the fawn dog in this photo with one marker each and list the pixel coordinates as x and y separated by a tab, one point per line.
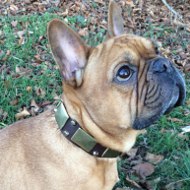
110	93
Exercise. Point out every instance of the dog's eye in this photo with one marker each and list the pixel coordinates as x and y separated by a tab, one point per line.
124	73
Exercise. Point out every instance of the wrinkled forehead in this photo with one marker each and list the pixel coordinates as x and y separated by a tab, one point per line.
128	47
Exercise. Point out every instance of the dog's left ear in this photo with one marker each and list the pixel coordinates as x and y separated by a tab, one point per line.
115	20
69	51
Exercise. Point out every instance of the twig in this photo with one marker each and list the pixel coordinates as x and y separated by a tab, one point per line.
172	9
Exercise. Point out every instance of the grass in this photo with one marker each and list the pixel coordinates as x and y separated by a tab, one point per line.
163	138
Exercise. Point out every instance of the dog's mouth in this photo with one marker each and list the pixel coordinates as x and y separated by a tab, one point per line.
177	99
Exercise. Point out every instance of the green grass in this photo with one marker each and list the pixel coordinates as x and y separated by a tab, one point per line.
44	75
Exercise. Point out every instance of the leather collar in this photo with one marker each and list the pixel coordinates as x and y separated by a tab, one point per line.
74	133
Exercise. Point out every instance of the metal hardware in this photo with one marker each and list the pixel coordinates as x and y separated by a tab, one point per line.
95	153
73	122
66	133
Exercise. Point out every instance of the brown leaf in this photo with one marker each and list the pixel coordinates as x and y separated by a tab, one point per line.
153	158
3	114
14	102
14	23
34	108
175	119
144	169
40	92
83	32
132	182
38	59
13	8
100	2
22	114
132	152
188	102
183	136
28	88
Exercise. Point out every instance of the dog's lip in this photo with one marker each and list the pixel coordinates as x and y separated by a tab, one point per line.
182	94
180	98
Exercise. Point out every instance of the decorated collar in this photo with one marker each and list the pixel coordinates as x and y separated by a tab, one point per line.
74	133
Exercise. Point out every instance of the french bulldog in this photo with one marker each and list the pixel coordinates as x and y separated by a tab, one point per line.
110	94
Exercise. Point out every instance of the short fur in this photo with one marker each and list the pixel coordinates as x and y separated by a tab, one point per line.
34	152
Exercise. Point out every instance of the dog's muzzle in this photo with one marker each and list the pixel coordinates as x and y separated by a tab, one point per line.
165	90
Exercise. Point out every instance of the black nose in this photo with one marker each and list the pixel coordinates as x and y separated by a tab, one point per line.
160	65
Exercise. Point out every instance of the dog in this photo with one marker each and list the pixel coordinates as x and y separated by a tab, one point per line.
110	94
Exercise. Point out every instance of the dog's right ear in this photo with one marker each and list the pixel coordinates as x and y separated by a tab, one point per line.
115	20
69	51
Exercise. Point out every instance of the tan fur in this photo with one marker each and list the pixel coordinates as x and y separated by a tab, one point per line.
34	153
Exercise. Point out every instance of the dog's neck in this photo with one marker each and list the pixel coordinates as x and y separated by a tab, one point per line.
118	140
74	133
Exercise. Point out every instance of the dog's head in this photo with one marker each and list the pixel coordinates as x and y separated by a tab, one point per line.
123	82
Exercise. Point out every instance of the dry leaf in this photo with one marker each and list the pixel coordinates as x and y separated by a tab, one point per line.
132	152
22	114
175	120
99	2
21	33
3	114
83	32
28	88
188	102
144	169
184	136
132	182
153	158
14	23
13	8
14	102
38	59
185	129
34	108
40	92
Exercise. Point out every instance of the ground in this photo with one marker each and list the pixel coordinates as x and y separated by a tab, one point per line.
30	80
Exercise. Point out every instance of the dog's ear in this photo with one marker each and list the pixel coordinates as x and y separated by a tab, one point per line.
115	20
69	51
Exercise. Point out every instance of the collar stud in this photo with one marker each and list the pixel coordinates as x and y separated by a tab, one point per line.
73	122
95	153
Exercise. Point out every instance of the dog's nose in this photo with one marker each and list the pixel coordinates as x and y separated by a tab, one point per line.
160	65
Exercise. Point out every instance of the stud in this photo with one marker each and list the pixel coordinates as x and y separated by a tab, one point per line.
66	133
73	122
95	153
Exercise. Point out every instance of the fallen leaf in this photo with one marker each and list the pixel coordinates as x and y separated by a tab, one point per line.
34	107
132	152
188	102
40	92
21	33
14	23
14	102
175	119
22	114
144	169
153	158
83	32
184	136
13	8
185	129
3	114
28	88
133	183
100	2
